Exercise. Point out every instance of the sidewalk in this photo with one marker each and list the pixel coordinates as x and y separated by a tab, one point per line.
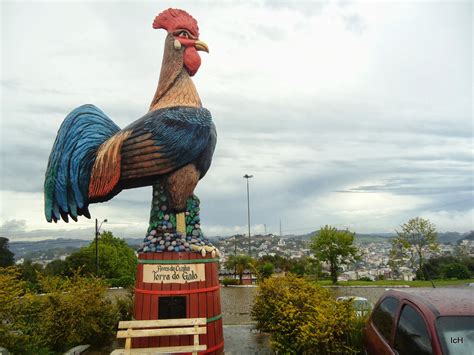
244	339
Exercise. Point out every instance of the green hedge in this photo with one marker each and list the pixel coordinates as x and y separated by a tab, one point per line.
229	281
72	311
304	318
124	281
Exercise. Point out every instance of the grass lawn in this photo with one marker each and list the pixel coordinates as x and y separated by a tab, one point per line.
397	283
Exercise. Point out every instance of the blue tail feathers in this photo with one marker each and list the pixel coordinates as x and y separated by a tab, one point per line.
71	160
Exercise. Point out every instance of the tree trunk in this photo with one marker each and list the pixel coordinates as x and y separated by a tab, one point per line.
333	269
420	265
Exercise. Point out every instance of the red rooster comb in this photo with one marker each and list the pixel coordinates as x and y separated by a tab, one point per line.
174	19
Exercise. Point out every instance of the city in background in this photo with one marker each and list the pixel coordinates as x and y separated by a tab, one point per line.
374	249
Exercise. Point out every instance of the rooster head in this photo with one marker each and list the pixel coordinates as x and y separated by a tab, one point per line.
183	35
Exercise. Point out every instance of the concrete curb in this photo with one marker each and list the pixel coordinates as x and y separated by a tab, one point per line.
77	350
368	286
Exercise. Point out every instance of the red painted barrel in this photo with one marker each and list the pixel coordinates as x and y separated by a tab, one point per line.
189	278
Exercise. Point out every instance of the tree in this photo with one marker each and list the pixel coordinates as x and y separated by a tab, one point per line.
30	272
116	258
418	236
305	266
298	266
278	261
456	270
397	257
239	263
434	267
448	266
56	268
6	256
335	247
265	270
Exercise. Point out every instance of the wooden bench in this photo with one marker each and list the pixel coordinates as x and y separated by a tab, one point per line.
162	327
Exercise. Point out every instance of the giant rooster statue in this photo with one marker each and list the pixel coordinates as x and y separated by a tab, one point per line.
171	148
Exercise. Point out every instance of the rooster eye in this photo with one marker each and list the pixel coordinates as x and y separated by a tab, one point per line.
183	34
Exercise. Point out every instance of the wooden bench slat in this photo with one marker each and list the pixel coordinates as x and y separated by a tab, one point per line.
162	323
167	349
162	327
136	333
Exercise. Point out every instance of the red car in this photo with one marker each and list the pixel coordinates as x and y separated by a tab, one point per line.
422	321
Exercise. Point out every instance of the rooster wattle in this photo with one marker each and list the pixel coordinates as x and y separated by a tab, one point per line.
171	147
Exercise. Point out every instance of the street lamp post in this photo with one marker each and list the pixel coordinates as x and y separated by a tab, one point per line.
97	229
247	176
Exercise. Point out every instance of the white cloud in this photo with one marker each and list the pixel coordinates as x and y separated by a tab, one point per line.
311	99
451	220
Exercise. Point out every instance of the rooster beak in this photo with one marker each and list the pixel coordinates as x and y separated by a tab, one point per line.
201	46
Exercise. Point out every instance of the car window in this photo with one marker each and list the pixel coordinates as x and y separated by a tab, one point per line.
383	315
411	336
456	334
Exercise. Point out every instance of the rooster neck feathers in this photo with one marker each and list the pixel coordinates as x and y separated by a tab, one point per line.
180	60
182	92
175	87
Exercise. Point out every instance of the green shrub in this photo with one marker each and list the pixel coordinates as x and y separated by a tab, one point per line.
229	281
456	270
124	281
124	306
73	311
19	312
365	278
303	318
76	311
265	270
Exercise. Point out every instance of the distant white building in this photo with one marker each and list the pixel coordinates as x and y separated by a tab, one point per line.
406	273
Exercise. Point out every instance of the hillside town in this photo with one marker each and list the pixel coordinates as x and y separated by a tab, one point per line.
374	263
375	256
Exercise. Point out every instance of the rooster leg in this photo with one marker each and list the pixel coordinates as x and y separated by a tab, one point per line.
180	186
172	197
167	233
181	223
160	218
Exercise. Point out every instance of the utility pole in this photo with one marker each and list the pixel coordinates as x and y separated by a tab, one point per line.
96	247
280	230
247	176
265	228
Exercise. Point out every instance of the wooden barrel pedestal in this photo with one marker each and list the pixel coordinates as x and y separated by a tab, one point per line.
179	285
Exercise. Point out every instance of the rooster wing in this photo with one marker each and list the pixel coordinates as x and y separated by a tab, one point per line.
157	144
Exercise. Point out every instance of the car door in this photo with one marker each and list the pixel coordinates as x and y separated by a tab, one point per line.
378	332
412	334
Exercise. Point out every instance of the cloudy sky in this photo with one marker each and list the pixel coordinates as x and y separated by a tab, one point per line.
354	114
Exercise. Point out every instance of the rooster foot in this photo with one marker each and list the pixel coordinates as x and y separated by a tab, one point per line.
205	249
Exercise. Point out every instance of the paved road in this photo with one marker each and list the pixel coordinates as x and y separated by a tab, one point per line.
236	304
244	339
